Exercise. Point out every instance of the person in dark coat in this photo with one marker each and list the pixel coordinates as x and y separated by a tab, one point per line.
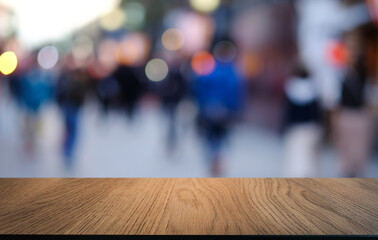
130	87
171	91
71	89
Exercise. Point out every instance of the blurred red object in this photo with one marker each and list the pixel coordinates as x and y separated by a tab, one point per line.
203	63
337	53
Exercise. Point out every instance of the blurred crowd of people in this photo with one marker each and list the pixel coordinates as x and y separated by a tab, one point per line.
207	57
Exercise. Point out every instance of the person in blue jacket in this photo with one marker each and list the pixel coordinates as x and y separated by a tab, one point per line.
70	94
219	97
35	89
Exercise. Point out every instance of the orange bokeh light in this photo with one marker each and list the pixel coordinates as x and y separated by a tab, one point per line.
203	63
250	64
337	54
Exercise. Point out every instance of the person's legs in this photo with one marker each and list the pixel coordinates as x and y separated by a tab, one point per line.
217	136
30	132
362	137
105	106
71	120
301	146
352	132
172	134
130	107
343	142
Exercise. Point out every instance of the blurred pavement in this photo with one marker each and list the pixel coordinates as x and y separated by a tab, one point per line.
116	147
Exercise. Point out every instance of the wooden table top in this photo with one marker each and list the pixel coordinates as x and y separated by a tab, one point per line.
189	206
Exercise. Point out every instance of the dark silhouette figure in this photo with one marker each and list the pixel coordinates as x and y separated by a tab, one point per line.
71	91
171	91
130	88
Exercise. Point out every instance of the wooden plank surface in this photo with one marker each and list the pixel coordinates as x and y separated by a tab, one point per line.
189	206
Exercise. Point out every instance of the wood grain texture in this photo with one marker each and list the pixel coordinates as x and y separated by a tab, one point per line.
189	206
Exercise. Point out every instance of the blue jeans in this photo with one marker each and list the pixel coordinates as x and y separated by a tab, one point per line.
71	114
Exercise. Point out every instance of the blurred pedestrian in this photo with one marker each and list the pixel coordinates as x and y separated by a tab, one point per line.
108	92
219	99
171	91
353	122
71	91
302	127
130	88
35	88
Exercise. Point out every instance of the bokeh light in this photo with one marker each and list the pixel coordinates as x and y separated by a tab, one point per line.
82	48
48	57
114	20
198	32
172	39
107	53
337	53
250	65
225	51
8	62
133	49
106	60
204	5
135	15
156	69
203	63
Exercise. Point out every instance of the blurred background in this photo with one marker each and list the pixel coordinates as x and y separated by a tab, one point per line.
191	88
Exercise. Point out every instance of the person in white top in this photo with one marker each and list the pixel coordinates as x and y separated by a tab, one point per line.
303	131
